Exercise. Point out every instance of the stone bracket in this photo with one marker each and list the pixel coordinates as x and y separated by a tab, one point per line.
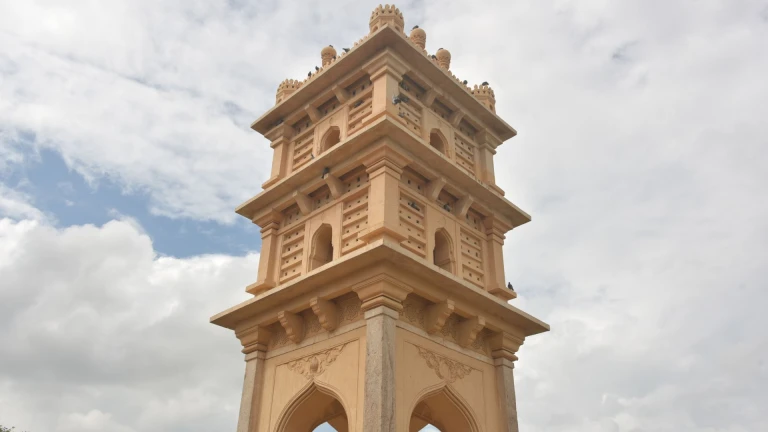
327	312
455	118
463	205
429	97
434	187
293	325
468	330
304	202
335	185
341	94
437	314
313	113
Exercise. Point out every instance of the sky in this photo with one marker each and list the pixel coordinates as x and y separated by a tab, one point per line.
641	156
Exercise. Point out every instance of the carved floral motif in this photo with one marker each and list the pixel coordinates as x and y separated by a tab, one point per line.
315	364
413	310
445	368
349	307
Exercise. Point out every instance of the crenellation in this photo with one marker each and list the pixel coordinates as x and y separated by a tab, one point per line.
387	15
484	93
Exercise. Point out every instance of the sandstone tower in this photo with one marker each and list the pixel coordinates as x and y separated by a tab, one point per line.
380	302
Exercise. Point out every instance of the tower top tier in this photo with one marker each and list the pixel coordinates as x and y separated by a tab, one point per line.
431	72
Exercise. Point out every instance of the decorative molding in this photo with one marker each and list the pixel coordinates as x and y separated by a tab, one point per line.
437	314
317	363
255	338
445	368
293	325
327	312
468	330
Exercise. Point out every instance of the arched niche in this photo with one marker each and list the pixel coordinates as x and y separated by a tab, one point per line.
442	255
330	139
438	141
313	406
444	409
321	251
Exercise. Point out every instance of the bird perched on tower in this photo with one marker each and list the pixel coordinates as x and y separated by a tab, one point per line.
484	83
509	285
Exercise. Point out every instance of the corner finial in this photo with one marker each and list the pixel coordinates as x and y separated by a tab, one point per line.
327	55
285	89
386	15
443	58
484	94
419	37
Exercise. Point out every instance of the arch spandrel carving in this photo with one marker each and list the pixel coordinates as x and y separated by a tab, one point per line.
324	369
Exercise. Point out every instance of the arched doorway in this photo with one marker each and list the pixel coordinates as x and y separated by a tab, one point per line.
442	410
315	408
442	255
322	247
331	138
437	141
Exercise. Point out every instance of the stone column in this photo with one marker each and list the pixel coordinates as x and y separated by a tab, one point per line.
280	137
382	299
487	143
503	348
496	283
254	340
269	223
384	167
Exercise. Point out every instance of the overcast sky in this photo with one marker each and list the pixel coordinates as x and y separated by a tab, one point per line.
642	157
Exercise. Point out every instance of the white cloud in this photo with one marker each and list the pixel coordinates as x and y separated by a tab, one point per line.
18	205
99	333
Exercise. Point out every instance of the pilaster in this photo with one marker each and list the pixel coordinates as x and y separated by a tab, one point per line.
269	223
382	300
495	230
386	72
254	340
503	348
384	167
280	137
486	150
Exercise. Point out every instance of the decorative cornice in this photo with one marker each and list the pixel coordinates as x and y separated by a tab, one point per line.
445	368
315	364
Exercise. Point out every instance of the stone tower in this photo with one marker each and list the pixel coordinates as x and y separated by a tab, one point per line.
380	302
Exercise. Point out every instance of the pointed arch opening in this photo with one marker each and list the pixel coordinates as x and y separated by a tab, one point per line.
438	141
444	410
331	138
442	255
316	407
321	252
